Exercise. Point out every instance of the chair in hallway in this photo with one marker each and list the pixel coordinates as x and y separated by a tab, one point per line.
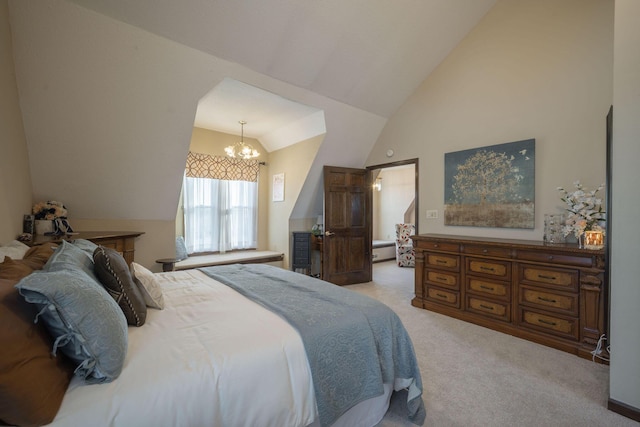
405	255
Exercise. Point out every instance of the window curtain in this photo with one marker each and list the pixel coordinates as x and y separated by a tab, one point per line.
220	214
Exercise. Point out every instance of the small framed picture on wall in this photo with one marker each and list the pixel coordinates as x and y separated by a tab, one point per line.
278	187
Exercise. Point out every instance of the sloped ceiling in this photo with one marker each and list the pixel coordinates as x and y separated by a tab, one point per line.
367	54
109	88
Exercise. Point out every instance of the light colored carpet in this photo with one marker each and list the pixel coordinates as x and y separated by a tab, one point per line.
473	376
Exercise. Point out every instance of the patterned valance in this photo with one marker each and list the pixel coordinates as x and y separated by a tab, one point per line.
219	167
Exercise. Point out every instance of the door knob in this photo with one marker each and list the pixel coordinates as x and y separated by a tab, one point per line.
329	233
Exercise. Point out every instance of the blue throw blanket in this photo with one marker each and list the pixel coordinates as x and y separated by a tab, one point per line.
354	343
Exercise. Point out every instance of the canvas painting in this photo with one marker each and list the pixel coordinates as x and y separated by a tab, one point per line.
491	186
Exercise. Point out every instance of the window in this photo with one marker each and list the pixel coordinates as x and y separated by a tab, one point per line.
220	214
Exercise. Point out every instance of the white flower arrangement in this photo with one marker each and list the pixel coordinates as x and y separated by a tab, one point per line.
585	210
49	210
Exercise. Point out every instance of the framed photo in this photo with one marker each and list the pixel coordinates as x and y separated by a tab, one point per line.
278	187
491	186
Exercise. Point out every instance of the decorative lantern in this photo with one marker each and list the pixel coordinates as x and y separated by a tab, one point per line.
593	240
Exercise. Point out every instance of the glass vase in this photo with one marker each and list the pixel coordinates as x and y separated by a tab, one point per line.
553	225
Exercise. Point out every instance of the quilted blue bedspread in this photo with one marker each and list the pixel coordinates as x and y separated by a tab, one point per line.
354	343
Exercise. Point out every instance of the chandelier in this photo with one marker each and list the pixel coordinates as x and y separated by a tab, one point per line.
240	149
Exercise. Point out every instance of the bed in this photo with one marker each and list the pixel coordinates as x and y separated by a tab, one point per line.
219	354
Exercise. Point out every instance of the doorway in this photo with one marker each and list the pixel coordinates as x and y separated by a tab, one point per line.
394	200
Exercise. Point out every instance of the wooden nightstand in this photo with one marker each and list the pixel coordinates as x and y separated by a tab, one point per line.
121	241
168	264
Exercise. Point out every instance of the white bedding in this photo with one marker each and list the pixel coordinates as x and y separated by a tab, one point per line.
210	358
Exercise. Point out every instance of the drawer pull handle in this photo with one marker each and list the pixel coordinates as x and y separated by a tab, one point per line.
489	288
547	299
484	251
546	322
444	279
441	261
442	296
546	277
435	245
487	268
486	307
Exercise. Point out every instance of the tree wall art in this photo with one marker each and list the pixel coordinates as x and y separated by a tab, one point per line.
491	186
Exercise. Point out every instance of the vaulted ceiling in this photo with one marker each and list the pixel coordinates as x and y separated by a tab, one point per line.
122	82
368	54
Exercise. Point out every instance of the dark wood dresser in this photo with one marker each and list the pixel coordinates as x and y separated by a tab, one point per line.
121	241
550	294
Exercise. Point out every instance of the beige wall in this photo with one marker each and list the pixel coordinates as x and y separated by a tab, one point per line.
530	69
294	161
124	100
15	180
131	132
543	70
625	232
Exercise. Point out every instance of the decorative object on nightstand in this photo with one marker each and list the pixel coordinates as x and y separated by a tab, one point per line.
316	230
44	226
51	218
585	211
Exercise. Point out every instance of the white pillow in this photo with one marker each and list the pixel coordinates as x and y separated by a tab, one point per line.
148	285
14	250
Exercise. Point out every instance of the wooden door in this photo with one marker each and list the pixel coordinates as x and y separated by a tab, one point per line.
347	224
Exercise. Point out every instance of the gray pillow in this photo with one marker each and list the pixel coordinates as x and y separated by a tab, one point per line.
181	249
67	256
85	323
113	273
86	245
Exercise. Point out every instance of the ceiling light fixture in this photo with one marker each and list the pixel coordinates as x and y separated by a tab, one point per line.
377	185
240	149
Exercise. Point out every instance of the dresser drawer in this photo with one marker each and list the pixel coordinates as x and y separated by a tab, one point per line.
542	298
557	278
441	278
487	251
489	288
497	269
577	260
449	262
443	297
438	246
497	310
562	326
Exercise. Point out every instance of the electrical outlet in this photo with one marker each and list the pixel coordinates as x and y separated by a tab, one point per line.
432	214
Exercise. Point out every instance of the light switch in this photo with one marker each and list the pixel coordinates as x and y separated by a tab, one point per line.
432	214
